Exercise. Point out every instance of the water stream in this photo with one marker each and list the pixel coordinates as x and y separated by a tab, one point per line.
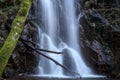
59	31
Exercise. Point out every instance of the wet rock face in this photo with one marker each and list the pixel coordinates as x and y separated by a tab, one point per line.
67	60
100	39
100	34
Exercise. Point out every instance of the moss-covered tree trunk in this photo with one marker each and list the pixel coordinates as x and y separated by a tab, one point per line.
17	27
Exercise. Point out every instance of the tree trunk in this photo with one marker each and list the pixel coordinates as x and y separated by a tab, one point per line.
17	27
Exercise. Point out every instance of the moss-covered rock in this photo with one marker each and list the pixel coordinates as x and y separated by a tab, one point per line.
17	27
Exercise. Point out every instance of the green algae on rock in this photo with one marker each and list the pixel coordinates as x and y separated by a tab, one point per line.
17	27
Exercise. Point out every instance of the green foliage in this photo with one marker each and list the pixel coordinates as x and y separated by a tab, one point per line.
1	1
8	7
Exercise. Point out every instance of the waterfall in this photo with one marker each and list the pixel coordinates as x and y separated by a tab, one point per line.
59	31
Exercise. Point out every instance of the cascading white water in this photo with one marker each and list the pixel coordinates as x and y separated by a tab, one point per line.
59	32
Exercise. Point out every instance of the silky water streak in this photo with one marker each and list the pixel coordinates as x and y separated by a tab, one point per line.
58	31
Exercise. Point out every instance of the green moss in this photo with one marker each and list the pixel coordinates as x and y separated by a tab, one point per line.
17	27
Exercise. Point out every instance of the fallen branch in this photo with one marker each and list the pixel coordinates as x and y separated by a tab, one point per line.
57	63
37	44
49	51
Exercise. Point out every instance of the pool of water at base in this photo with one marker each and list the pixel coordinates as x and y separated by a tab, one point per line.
54	78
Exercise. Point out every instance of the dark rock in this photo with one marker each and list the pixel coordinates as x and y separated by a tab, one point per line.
68	62
96	17
9	72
